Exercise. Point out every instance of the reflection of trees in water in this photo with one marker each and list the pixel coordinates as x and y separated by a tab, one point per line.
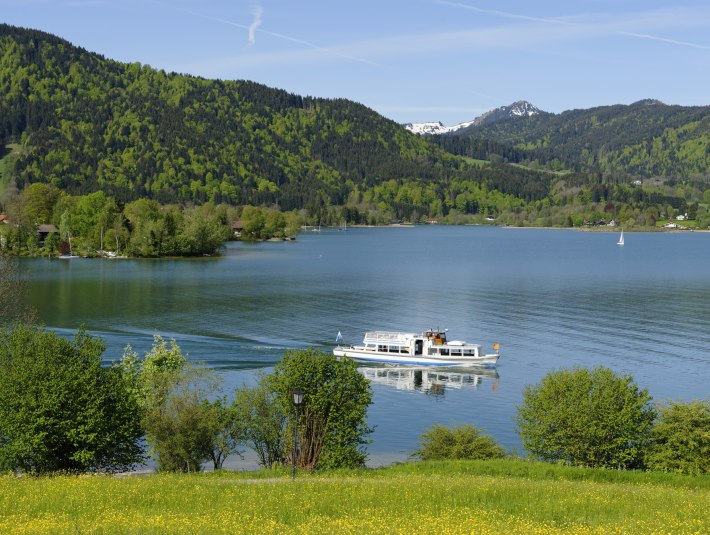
13	293
430	381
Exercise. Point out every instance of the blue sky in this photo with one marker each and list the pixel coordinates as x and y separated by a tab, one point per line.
414	60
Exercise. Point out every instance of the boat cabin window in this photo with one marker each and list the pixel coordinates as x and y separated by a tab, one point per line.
455	352
469	352
394	349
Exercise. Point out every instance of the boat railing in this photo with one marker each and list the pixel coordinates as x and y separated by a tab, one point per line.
387	336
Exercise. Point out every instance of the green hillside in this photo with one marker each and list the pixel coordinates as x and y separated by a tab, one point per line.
87	123
8	157
645	139
84	124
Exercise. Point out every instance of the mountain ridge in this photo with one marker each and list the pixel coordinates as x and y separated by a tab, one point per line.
518	109
646	138
87	124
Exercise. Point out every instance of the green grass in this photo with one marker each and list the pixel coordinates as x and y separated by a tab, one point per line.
502	496
475	161
561	172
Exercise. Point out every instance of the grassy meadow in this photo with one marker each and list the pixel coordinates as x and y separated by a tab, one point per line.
503	496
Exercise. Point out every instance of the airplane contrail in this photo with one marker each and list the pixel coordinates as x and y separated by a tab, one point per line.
273	34
663	40
507	15
503	14
255	24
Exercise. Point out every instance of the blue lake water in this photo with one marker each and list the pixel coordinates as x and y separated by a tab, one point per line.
552	299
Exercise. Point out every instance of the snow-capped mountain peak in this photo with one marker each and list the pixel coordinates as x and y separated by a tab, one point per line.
432	128
521	108
516	110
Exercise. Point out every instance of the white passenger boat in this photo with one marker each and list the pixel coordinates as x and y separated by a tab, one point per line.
430	348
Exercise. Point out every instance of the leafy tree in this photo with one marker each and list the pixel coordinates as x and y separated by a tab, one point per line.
60	410
51	244
204	232
92	216
181	430
227	430
681	439
264	421
65	231
182	427
254	222
464	442
38	202
143	216
586	417
157	373
332	425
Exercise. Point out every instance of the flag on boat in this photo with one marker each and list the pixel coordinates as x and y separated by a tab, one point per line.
339	338
496	346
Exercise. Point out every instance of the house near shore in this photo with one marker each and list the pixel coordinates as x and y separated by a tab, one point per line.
45	230
237	228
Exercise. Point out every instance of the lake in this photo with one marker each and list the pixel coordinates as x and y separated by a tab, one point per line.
552	299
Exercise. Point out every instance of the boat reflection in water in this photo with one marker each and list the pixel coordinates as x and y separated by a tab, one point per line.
429	380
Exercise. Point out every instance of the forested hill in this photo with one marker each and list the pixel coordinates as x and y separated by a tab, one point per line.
644	139
87	123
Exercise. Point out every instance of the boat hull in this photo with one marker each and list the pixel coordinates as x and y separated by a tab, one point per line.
359	355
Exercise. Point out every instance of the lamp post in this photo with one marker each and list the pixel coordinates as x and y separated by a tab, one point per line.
297	399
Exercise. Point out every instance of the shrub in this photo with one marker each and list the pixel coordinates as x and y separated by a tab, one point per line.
681	439
332	423
263	421
60	410
464	442
182	427
585	417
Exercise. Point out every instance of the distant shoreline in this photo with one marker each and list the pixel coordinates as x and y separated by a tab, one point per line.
578	229
611	229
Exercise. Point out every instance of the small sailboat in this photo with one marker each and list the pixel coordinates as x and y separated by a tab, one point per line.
621	238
